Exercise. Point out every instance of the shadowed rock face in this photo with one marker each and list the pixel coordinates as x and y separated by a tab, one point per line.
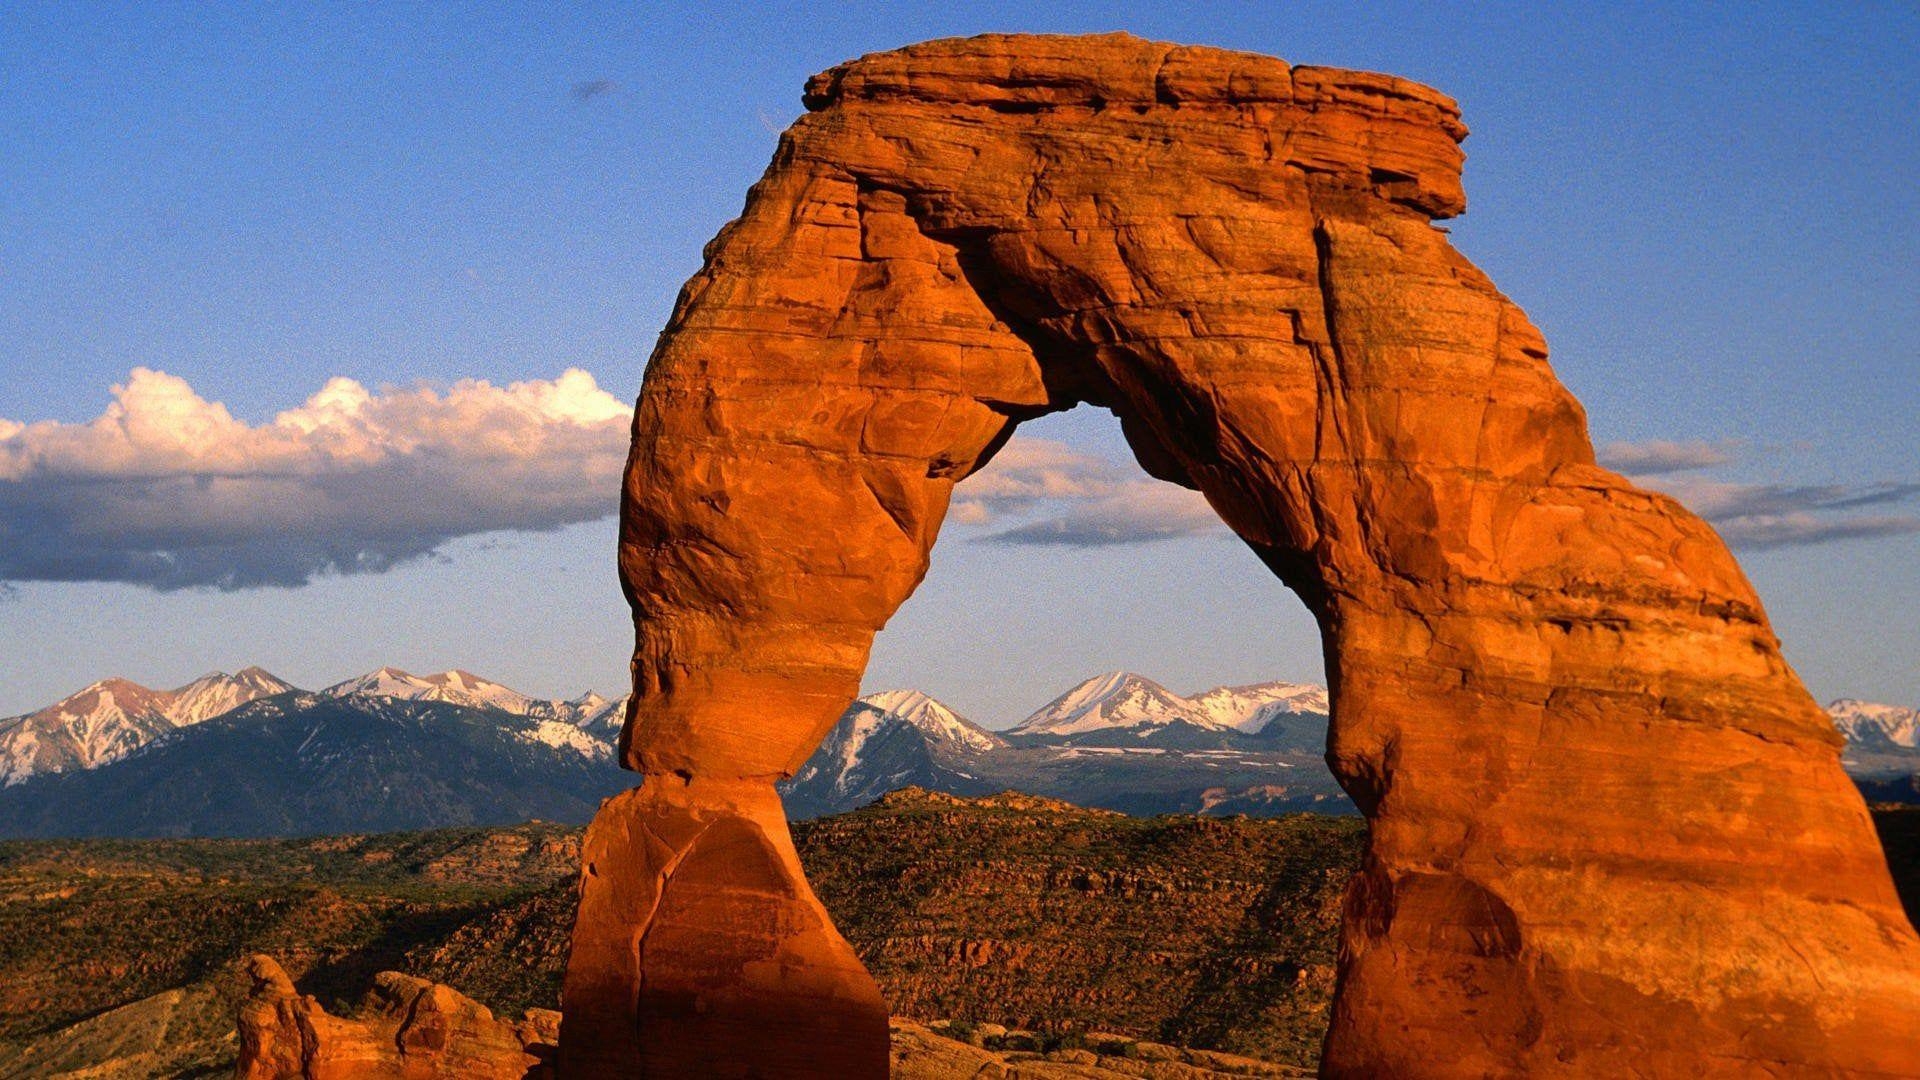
1610	833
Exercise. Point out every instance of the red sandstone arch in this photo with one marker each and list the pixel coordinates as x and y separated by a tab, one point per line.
1610	833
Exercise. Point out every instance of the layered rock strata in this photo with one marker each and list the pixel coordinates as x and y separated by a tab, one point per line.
1610	832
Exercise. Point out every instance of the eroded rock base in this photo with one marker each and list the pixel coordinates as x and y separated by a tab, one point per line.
697	930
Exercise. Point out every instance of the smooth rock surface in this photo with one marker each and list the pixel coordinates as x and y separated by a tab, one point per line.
699	950
1610	832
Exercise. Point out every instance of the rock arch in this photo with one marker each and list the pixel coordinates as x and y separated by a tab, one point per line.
1610	833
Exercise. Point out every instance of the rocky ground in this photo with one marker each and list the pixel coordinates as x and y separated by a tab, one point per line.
946	1051
1023	934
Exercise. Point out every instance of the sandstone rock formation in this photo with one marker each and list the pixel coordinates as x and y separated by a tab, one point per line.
405	1029
1610	833
698	949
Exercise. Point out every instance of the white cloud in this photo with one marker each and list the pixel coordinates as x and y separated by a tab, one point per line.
1760	532
1664	455
169	490
1063	496
1137	512
1761	516
1043	492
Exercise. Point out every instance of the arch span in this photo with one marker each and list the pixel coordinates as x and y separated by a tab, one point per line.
1610	833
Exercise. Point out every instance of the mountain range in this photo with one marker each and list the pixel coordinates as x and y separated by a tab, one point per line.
1883	748
1124	709
249	754
1117	741
1868	725
114	717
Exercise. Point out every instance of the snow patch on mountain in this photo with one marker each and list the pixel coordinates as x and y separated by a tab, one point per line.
212	694
454	687
592	712
886	741
849	738
114	717
1870	723
588	725
1251	709
934	719
1123	701
562	735
1118	699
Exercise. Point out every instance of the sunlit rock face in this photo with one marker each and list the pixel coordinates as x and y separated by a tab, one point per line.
404	1029
1611	835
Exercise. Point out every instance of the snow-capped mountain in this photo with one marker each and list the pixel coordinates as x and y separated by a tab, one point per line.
1883	748
588	724
1117	741
888	741
1252	709
1124	709
114	717
590	712
1118	699
210	695
303	763
585	705
1871	725
935	720
454	687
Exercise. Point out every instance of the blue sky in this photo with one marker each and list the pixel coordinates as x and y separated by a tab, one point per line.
1710	216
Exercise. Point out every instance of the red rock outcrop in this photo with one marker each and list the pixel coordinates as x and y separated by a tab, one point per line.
699	950
1610	833
405	1029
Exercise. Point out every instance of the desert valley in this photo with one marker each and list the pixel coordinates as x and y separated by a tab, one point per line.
1129	879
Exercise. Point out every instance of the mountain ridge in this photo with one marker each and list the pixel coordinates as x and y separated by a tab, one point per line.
1117	741
115	717
1126	701
109	719
1870	722
301	763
